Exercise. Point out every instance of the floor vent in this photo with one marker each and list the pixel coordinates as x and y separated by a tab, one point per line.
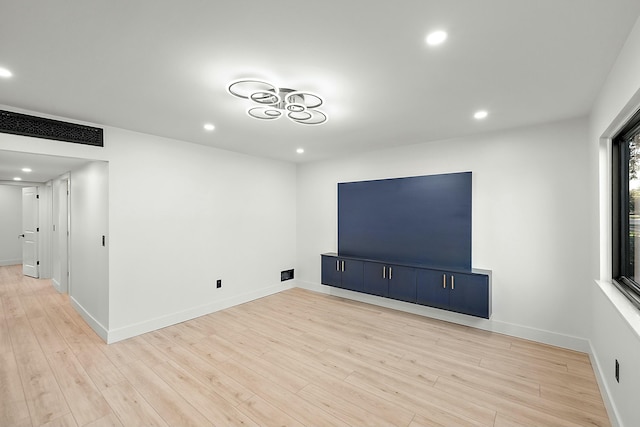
38	127
286	275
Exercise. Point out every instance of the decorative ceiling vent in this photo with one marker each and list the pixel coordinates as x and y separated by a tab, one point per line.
38	127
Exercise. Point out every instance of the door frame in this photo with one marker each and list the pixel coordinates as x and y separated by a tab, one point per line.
61	233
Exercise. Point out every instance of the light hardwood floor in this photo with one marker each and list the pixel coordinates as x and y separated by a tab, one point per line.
295	358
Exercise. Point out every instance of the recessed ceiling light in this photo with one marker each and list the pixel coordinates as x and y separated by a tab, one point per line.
479	115
5	73
300	150
209	127
17	178
436	38
26	169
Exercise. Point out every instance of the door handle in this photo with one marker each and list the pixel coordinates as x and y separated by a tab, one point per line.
453	283
342	265
384	271
20	236
444	281
337	265
390	272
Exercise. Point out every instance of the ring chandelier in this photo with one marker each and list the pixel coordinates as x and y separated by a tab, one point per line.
269	102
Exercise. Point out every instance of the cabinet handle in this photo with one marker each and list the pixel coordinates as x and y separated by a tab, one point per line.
337	265
453	283
444	281
384	271
342	265
390	272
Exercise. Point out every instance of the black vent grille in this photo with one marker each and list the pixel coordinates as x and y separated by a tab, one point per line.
38	127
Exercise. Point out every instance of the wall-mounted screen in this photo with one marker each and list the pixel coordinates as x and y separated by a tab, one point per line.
418	220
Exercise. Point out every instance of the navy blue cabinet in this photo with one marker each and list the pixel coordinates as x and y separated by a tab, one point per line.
432	289
402	283
470	294
331	272
342	273
466	293
376	279
389	280
462	292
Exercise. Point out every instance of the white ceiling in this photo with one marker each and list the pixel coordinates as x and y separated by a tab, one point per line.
43	168
162	67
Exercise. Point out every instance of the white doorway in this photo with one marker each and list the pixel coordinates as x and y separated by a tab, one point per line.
10	224
30	229
80	260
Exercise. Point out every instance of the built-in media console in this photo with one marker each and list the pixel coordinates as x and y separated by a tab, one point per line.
409	239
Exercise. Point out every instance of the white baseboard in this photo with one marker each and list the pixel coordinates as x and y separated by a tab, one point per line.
91	321
604	389
519	331
6	262
119	334
57	286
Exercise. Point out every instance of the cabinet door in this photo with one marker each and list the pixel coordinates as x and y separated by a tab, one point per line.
330	274
470	294
433	289
352	275
402	283
376	279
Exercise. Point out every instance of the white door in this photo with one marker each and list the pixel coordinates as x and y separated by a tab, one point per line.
30	231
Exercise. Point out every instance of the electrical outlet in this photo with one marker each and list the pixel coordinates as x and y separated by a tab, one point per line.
617	371
219	283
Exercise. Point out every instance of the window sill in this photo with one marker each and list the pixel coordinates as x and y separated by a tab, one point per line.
627	310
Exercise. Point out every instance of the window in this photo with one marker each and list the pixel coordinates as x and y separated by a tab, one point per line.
626	210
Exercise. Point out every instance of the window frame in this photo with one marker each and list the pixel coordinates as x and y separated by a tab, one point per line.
621	264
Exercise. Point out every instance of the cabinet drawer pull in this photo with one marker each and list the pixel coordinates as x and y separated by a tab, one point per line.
342	265
453	283
337	265
444	281
384	271
390	272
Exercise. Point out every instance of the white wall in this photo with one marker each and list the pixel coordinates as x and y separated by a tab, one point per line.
59	239
530	225
10	224
89	284
614	336
184	215
615	323
181	216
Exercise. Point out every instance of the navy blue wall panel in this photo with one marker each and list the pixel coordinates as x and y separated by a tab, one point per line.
420	220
